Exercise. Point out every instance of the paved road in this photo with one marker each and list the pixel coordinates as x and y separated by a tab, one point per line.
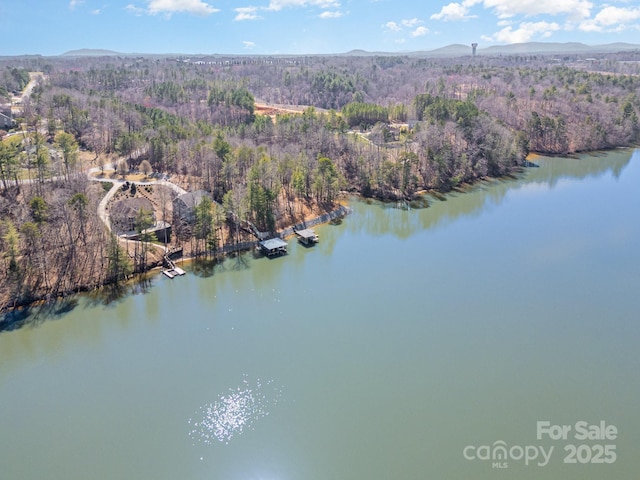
16	102
104	215
117	184
166	183
102	206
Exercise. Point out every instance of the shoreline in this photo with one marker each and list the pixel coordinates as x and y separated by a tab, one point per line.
341	211
43	300
225	250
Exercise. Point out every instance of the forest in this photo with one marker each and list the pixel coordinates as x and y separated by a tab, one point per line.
273	140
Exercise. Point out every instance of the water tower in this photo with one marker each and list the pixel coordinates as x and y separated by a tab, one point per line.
473	49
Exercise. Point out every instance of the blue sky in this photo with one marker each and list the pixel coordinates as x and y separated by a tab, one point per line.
52	27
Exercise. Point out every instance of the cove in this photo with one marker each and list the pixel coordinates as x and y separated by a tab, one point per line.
401	339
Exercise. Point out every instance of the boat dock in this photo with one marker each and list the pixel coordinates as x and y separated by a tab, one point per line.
173	272
273	247
307	236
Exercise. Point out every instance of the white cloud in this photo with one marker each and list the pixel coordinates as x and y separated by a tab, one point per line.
392	27
280	4
590	26
249	45
330	14
419	32
611	18
412	22
196	7
246	13
330	8
524	33
135	10
575	9
398	27
74	3
454	12
406	26
97	11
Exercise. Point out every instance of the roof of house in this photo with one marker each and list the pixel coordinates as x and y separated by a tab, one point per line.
192	199
129	207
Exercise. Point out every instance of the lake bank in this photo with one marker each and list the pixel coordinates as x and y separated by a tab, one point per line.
243	246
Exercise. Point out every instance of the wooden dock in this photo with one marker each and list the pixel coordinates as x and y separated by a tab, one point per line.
173	272
168	273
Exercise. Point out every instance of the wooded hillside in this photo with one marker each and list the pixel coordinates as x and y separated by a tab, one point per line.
386	127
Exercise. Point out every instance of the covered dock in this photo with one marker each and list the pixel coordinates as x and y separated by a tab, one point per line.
273	246
307	236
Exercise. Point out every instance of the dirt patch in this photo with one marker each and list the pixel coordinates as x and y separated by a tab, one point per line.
274	110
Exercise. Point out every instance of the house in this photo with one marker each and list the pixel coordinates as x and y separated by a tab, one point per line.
124	213
6	122
184	204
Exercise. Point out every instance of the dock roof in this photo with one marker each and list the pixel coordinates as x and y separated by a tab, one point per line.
273	243
306	233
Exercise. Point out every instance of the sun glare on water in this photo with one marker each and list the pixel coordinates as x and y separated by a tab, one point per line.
233	412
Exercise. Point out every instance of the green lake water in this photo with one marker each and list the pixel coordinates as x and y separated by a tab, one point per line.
401	342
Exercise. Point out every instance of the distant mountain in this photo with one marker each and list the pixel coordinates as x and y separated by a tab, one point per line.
360	53
455	50
91	52
570	47
458	50
536	47
619	47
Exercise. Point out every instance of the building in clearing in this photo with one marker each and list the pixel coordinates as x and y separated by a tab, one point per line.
184	204
124	212
123	215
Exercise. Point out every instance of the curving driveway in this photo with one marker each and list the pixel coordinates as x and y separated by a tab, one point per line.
117	185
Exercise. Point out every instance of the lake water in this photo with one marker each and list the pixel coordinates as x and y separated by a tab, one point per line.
396	348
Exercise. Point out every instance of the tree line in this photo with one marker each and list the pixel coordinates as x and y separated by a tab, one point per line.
386	127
